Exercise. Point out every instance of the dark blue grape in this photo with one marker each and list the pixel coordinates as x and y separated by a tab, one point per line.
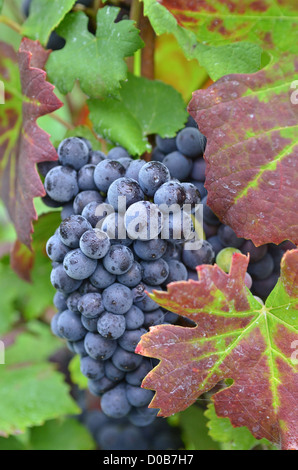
150	250
99	348
78	266
261	269
92	369
117	299
177	272
112	373
62	282
114	227
134	318
90	305
170	193
106	172
157	155
133	276
95	212
173	252
178	165
134	169
70	326
138	396
215	243
152	175
95	243
118	152
67	210
90	323
84	198
203	255
199	170
130	339
61	184
142	416
143	221
111	326
118	260
96	156
125	360
71	230
73	152
209	216
192	193
60	301
98	387
56	250
124	188
86	178
101	278
45	167
156	317
256	253
155	272
166	145
145	303
137	376
54	325
228	237
114	403
191	142
72	301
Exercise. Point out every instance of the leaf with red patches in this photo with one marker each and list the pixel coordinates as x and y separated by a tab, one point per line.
22	143
251	124
235	338
226	36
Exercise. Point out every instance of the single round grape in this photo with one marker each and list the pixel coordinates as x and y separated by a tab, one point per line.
92	369
228	237
111	326
56	250
215	243
194	257
142	416
90	305
98	347
143	221
96	156
155	272
192	193
173	252
71	230
129	192
98	387
118	152
67	210
134	318
114	403
45	167
166	144
138	396
157	155
72	301
78	266
152	175
132	277
156	317
95	213
61	184
117	299
112	373
60	301
145	303
90	323
256	253
191	142
199	170
86	178
95	243
126	161
177	272
101	278
125	360
134	169
84	198
73	152
209	216
62	282
130	339
261	269
178	165
70	326
170	193
150	250
54	325
118	260
106	172
137	376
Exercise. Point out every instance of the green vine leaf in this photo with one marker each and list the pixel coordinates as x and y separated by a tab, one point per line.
96	61
251	124
44	17
236	339
145	107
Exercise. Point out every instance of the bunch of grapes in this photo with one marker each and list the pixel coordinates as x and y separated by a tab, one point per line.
120	434
264	265
124	232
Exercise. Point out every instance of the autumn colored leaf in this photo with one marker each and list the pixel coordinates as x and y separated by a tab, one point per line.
22	143
251	124
237	341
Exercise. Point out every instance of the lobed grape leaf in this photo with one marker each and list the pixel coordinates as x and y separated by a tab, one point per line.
205	30
251	124
236	339
96	61
31	390
44	17
230	438
145	107
22	143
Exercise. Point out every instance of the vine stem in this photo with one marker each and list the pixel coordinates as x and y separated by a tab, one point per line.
134	15
64	123
10	23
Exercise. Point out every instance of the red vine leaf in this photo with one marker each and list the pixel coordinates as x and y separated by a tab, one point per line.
23	144
236	339
250	122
